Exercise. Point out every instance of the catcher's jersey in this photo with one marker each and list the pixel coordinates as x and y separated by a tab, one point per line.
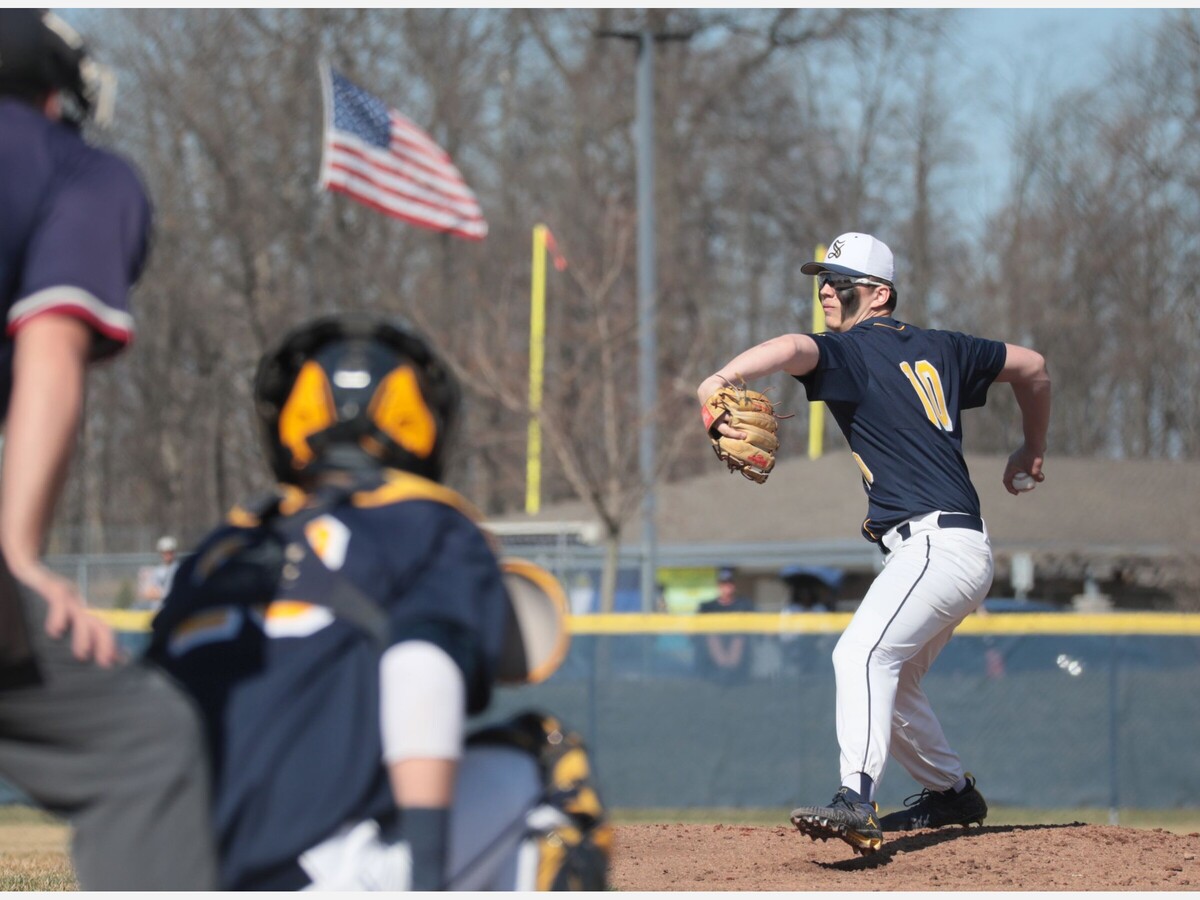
74	226
897	393
289	691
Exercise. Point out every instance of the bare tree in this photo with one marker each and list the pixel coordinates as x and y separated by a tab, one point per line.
1096	259
764	149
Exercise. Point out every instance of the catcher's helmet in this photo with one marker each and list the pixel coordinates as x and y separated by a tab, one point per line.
40	52
353	392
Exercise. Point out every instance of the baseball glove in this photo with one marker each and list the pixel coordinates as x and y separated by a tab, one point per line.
751	413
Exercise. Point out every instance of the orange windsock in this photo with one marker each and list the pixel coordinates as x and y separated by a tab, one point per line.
560	261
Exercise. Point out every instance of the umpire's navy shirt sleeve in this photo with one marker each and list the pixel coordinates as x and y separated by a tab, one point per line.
74	227
88	251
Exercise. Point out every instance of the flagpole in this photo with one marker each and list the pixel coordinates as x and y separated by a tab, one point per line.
537	356
327	105
647	289
816	409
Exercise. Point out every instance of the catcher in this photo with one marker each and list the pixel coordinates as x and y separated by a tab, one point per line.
336	636
743	428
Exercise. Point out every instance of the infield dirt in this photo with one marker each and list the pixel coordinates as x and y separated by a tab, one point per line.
1073	857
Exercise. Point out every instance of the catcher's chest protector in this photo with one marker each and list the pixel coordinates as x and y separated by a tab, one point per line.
568	840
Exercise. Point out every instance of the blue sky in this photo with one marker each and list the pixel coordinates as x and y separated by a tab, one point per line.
1007	59
1012	58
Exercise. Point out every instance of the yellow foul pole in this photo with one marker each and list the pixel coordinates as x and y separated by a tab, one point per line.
816	409
537	342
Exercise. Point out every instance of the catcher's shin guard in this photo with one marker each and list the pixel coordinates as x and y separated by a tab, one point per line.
525	818
847	817
547	829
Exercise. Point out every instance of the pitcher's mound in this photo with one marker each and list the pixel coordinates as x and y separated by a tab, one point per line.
1074	857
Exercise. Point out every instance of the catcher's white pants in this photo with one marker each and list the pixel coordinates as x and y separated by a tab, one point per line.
496	789
930	582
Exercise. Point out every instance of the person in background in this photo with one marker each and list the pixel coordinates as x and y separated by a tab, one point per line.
111	746
811	589
155	581
725	656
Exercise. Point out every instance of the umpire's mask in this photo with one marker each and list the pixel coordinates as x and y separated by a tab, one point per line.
353	393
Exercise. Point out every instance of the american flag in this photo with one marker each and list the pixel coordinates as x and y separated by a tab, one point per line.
380	158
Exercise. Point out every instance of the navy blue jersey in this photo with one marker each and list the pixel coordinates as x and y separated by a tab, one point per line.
898	392
74	226
290	691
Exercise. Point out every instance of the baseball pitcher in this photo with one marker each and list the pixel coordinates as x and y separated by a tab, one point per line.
898	393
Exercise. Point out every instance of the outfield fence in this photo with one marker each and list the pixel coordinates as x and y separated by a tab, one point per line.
1048	710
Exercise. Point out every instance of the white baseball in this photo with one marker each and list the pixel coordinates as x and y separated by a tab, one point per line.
1023	481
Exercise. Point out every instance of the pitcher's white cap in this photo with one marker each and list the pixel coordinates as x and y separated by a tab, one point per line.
857	255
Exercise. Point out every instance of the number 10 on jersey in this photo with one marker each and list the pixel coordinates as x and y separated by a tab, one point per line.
928	384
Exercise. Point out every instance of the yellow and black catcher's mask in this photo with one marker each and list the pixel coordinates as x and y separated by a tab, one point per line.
346	393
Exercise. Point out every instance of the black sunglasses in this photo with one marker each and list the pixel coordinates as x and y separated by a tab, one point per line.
842	282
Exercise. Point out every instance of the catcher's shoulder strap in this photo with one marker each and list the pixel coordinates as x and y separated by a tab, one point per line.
284	500
379	488
398	486
246	566
269	523
575	848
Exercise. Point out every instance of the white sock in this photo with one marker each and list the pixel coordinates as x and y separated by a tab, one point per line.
960	785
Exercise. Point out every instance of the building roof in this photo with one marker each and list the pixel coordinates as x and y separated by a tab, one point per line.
809	512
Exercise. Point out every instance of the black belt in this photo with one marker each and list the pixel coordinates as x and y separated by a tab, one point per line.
945	520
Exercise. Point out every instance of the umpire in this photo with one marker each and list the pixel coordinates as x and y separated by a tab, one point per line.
113	747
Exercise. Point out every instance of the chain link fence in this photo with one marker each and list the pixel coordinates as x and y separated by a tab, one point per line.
1047	721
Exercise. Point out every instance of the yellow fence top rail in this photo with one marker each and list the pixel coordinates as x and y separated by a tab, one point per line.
1160	623
834	623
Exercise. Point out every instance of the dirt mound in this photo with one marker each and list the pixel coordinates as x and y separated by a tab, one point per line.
1074	857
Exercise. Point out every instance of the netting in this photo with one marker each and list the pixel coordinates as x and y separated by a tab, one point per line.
1043	721
1056	720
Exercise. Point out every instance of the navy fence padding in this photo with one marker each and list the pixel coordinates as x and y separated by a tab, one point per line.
1043	721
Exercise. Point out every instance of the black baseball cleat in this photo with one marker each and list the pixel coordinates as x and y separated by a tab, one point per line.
847	816
936	809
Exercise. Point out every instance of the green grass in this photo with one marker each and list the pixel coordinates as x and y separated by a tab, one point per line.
33	851
1179	821
50	875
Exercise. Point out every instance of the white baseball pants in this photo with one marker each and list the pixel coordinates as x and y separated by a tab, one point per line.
930	582
496	789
